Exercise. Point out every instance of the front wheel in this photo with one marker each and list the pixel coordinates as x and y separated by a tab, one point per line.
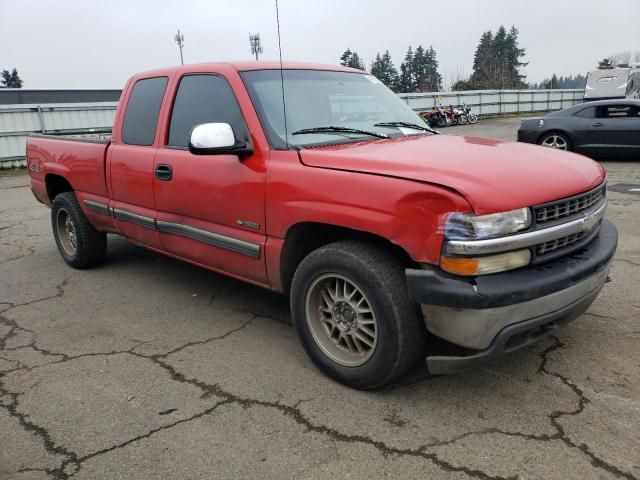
462	119
352	312
80	245
472	118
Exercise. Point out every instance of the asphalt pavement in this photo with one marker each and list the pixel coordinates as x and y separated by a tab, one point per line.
147	367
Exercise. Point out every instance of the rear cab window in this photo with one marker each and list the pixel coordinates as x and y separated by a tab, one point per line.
143	108
204	98
617	111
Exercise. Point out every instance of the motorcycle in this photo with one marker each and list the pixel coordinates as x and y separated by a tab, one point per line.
453	115
436	118
468	116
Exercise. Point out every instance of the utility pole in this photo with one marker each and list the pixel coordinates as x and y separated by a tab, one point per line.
180	41
256	47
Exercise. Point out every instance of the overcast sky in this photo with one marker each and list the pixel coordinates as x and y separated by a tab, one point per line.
98	44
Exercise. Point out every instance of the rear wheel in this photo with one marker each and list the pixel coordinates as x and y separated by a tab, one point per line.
556	140
472	118
352	312
462	119
81	245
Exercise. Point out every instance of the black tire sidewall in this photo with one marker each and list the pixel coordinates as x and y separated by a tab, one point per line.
90	244
60	203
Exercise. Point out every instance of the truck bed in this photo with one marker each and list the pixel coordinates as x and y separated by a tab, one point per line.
80	159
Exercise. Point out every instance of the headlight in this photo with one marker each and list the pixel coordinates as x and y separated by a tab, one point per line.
466	226
484	265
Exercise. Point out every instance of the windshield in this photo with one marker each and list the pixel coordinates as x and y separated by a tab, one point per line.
317	99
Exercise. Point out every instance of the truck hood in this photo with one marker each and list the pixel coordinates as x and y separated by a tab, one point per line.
492	175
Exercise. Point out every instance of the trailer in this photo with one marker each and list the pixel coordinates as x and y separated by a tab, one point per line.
613	83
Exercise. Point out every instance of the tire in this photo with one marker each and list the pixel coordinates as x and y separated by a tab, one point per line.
462	119
472	118
81	245
441	121
556	140
371	306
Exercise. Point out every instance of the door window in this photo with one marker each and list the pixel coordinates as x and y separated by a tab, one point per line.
141	116
585	112
204	99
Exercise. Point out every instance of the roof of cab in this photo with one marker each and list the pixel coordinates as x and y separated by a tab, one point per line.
243	66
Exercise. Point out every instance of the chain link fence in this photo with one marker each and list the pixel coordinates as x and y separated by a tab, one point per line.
491	103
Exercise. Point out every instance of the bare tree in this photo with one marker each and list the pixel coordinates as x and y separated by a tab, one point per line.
623	59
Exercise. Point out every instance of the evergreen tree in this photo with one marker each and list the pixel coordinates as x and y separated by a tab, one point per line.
497	61
569	81
500	58
434	79
482	63
424	69
418	69
605	64
513	64
351	59
10	79
384	70
345	57
406	83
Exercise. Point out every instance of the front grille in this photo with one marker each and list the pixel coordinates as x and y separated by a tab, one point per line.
552	245
569	206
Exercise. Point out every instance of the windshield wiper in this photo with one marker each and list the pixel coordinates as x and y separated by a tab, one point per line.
415	126
330	129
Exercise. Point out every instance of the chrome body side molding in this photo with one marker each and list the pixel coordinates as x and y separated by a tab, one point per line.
97	207
215	239
147	222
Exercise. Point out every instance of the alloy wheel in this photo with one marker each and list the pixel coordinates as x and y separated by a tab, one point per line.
341	319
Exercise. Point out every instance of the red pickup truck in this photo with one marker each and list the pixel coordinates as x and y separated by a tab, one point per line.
319	182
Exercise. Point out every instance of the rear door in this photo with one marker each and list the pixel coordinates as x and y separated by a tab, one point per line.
616	130
211	208
130	163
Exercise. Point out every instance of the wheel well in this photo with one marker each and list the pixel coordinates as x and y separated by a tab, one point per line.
56	185
551	132
303	238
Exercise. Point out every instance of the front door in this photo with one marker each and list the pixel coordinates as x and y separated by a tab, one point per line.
616	129
210	208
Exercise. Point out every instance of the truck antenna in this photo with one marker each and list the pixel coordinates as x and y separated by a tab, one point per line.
284	108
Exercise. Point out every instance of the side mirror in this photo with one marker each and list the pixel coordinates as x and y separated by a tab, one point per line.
217	139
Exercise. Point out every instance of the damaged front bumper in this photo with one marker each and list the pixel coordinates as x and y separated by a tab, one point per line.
493	314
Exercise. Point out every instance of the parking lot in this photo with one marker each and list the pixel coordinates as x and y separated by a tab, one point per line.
147	367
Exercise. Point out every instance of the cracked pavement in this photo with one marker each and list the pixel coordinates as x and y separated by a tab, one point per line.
146	367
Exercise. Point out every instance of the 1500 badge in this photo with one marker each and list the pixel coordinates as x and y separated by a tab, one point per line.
247	223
